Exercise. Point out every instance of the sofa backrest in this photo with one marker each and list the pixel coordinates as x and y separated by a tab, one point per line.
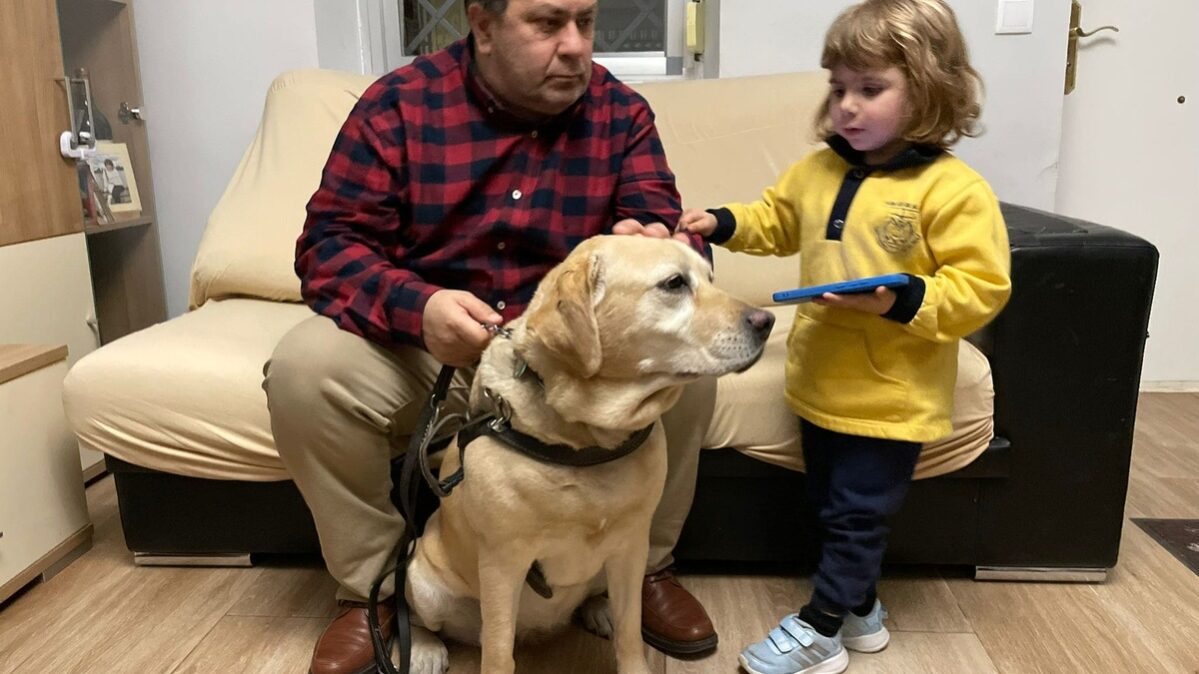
248	247
725	139
729	139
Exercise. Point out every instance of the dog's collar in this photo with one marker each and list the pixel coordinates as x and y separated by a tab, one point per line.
559	454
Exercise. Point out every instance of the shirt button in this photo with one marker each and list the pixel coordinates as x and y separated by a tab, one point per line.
500	305
858	174
490	109
838	224
516	194
501	245
534	134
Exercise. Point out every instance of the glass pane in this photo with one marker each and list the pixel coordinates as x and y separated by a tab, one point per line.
631	26
623	26
430	25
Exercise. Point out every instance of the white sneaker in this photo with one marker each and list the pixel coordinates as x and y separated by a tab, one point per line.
866	634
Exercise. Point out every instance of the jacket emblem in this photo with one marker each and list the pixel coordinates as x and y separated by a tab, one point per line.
899	233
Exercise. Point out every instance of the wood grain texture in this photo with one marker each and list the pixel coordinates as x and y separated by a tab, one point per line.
121	618
39	189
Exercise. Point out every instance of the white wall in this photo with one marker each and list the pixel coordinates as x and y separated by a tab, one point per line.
205	69
1023	75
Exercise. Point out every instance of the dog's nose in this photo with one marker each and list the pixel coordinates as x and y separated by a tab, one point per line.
760	322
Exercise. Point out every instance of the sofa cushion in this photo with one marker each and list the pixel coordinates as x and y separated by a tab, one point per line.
752	417
185	396
722	152
248	247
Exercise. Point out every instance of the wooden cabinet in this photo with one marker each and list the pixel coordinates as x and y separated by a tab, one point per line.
98	36
69	279
43	513
39	190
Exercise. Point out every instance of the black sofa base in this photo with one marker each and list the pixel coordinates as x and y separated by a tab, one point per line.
166	515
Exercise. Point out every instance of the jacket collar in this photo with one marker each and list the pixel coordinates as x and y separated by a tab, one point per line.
914	155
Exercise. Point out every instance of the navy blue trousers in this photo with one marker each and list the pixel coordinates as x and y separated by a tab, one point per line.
854	485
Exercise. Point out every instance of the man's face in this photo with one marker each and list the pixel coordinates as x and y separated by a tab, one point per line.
537	54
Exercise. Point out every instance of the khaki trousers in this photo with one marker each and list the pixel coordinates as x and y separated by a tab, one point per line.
341	408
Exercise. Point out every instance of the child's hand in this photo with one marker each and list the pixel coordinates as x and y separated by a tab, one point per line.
695	221
878	302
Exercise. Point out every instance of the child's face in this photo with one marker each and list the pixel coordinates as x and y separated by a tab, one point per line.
869	109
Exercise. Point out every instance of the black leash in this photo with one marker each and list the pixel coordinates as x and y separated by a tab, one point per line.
415	462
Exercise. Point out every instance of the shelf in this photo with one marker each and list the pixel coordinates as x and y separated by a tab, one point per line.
20	359
90	226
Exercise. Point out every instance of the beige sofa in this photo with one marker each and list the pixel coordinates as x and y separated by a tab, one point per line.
182	402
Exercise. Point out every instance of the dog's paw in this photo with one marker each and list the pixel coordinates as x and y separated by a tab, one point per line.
596	616
429	654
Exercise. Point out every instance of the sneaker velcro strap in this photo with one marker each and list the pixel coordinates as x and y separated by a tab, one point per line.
782	640
798	630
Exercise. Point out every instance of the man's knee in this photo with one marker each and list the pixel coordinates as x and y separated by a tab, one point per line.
303	359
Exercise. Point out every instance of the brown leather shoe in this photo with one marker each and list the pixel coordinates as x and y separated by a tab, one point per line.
345	647
672	620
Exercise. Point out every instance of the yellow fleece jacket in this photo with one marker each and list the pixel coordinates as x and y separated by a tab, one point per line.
926	214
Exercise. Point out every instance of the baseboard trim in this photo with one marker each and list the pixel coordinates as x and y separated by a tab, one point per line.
1041	574
51	563
1170	387
160	559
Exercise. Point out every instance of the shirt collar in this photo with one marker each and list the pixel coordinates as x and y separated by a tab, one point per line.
914	155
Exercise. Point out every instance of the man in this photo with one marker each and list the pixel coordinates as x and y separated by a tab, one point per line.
455	184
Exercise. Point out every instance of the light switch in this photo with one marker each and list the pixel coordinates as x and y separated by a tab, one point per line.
1013	17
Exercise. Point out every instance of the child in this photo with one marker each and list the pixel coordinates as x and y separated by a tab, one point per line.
871	376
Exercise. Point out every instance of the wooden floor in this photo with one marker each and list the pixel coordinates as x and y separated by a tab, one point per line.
103	614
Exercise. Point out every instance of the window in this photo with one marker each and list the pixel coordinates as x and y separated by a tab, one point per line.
638	38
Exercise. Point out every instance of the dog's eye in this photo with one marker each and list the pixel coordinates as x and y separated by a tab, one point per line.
676	282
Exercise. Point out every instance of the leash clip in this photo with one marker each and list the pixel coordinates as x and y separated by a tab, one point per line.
497	330
501	410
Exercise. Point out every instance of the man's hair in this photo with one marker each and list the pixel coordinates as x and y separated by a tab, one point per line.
493	6
922	39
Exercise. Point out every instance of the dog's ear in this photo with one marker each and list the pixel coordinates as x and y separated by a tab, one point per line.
564	321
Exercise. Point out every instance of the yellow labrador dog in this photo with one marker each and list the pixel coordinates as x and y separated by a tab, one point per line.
612	335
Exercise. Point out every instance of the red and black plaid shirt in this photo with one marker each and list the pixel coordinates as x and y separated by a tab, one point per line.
432	185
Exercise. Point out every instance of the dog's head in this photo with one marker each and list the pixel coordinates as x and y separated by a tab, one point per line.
627	307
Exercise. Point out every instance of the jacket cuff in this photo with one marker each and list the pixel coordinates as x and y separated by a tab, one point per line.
726	226
907	301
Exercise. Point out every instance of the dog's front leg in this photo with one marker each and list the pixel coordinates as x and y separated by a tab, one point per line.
625	573
501	578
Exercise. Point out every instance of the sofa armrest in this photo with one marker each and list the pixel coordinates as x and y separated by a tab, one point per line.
1066	362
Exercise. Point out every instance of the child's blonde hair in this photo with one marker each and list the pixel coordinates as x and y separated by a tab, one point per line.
921	38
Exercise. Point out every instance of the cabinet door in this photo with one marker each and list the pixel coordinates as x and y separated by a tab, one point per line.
39	189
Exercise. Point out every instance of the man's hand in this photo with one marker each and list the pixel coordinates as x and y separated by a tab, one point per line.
878	302
655	230
697	221
452	327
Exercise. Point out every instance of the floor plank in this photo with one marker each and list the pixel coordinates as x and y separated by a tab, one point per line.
255	645
103	614
926	652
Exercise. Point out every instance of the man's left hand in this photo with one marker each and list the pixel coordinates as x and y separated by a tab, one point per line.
655	230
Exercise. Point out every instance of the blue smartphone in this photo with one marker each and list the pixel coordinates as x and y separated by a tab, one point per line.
861	285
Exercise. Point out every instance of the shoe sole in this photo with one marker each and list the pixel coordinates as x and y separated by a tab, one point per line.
680	649
834	665
868	643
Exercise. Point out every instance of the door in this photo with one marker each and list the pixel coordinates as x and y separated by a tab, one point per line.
39	193
1130	159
